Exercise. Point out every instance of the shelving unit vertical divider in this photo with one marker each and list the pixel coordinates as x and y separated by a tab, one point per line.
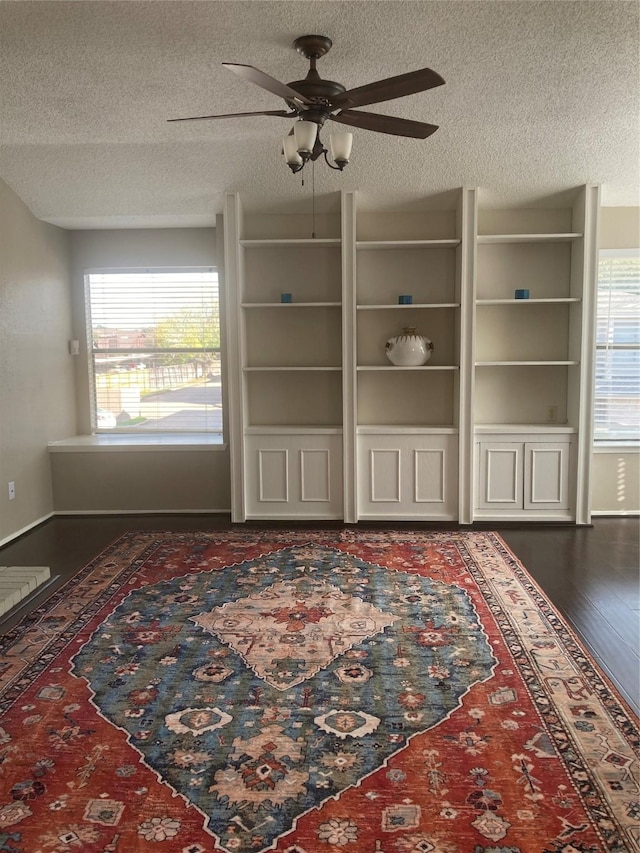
349	401
587	212
233	275
467	229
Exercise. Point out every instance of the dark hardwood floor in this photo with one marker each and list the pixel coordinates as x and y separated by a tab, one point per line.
590	573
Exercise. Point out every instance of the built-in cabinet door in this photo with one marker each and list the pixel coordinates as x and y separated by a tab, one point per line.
546	475
500	480
525	475
407	476
294	476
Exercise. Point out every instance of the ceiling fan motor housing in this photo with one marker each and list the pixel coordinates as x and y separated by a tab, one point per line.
317	90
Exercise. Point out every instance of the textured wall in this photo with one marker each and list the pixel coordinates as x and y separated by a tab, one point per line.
37	394
619	227
151	481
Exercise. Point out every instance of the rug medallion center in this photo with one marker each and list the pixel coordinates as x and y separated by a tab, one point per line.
289	632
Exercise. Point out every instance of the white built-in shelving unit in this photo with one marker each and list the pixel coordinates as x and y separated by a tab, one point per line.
533	360
407	418
285	363
497	424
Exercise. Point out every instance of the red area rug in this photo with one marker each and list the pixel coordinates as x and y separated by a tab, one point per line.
309	692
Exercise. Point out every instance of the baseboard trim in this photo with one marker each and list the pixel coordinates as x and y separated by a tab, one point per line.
26	529
72	512
227	511
620	513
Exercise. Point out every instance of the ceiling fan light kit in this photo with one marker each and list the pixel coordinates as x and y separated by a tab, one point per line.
304	145
305	133
340	144
313	101
290	151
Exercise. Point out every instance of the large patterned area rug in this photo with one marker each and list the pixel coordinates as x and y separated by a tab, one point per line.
310	692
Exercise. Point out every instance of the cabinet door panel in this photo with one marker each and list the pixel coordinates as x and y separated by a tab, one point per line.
273	475
430	476
384	479
315	475
546	476
500	476
407	476
294	476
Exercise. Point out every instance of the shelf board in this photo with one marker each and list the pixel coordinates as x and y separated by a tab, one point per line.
297	242
545	301
395	429
397	367
565	237
282	369
524	363
390	306
525	428
407	244
305	429
291	304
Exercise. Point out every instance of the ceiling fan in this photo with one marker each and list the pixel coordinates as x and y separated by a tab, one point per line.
313	101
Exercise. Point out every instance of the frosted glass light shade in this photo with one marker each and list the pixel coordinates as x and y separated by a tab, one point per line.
340	145
305	133
291	151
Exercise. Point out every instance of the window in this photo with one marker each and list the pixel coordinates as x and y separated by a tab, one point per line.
617	393
154	338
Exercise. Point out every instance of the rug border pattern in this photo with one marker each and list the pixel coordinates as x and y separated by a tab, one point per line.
555	721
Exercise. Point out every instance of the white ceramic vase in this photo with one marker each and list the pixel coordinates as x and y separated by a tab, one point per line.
409	349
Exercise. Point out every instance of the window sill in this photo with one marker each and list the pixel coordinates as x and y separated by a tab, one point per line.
137	443
616	447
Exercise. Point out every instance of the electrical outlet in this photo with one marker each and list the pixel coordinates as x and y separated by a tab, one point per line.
552	414
12	491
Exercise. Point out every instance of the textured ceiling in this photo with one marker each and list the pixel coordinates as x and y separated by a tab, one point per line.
539	98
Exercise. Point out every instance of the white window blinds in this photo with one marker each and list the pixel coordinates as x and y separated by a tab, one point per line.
617	391
154	350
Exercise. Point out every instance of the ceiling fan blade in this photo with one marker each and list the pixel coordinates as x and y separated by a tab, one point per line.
386	124
238	115
386	90
254	75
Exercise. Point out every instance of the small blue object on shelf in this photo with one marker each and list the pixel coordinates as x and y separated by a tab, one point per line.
286	297
522	294
405	300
